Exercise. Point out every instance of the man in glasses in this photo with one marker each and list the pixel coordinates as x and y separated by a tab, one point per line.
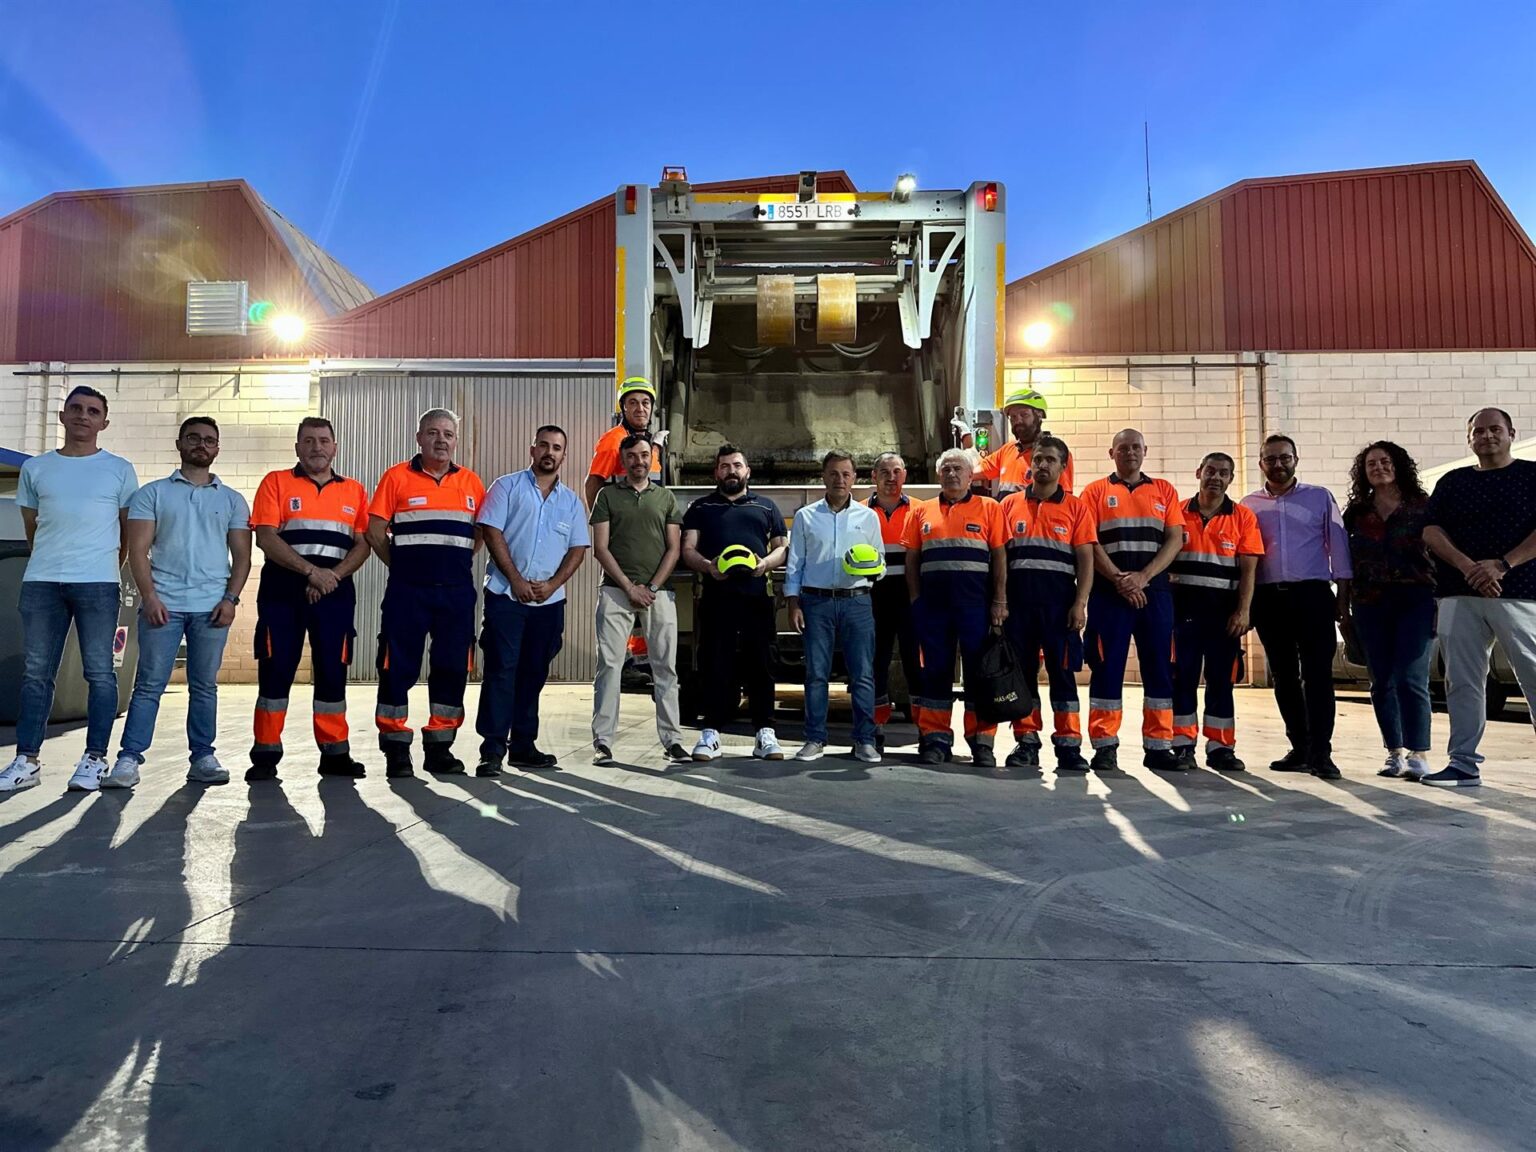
1303	586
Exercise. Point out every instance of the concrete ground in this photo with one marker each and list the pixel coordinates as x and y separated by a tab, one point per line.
752	956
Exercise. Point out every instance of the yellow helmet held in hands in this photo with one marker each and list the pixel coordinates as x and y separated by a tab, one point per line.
736	560
864	560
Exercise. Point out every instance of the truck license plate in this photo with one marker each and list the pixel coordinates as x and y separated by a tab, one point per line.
809	211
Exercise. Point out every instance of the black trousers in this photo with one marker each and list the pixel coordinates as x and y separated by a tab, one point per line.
894	632
736	634
1295	625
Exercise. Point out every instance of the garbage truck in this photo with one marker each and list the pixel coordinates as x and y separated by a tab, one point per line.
791	323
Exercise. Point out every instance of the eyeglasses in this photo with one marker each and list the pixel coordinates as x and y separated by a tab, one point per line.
1286	459
194	438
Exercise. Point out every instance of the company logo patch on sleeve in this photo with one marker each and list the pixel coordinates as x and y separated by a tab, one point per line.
348	510
976	528
1059	529
1160	507
470	502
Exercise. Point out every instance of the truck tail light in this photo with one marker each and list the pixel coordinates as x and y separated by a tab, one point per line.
629	199
989	197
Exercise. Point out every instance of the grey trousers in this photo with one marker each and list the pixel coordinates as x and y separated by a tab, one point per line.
1467	628
616	618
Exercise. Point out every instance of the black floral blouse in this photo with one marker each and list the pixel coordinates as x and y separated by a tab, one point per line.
1388	554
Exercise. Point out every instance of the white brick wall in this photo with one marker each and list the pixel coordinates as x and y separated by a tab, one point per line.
258	414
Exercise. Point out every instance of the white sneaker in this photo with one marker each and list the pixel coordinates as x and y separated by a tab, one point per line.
124	774
1416	768
1395	765
810	750
708	747
868	753
767	746
207	770
20	774
88	774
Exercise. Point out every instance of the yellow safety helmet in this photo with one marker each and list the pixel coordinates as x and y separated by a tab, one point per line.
1027	397
736	560
864	560
634	384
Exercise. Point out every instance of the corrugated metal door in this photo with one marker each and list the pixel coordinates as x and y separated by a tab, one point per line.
375	418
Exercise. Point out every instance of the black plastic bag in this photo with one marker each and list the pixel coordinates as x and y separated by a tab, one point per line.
1000	690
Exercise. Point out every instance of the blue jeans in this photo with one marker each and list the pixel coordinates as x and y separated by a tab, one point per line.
520	642
157	656
850	623
1395	631
47	608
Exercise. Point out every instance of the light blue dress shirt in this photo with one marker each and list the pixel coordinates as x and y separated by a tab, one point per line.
539	531
78	499
820	537
189	559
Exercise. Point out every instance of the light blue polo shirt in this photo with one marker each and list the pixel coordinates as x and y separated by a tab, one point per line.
77	499
538	531
189	559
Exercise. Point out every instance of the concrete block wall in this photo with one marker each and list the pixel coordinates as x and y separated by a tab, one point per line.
258	413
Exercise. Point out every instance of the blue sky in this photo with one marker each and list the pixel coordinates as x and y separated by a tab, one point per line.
407	135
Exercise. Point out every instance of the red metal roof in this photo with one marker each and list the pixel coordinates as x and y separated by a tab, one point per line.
546	294
101	275
1425	256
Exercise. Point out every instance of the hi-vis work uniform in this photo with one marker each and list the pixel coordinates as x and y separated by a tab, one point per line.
1204	577
431	593
1043	536
952	547
894	630
320	522
1013	469
1131	520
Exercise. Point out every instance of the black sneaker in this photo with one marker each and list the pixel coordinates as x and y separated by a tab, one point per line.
1292	761
982	756
1023	756
880	743
442	762
342	765
488	768
1327	770
1186	755
258	772
1224	760
1070	760
1162	760
1106	759
678	754
532	758
932	752
1452	777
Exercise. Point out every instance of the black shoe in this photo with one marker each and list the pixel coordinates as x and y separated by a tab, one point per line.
1186	755
488	768
258	772
342	765
532	758
678	754
442	762
880	743
1162	760
1106	759
932	752
397	763
1326	770
982	756
1070	760
1223	760
1023	756
1292	761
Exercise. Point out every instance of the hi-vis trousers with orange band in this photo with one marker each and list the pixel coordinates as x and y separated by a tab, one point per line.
412	613
1112	624
944	619
281	626
1200	638
1036	626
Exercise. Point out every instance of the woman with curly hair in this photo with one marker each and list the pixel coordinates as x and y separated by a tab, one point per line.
1392	599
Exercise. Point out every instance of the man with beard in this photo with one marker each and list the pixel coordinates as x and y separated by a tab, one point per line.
1212	577
189	547
736	623
1010	465
74	505
636	401
311	524
1294	605
535	529
421	523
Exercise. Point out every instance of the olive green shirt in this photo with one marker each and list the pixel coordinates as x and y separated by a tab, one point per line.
637	526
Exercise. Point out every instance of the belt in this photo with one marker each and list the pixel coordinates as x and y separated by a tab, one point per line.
835	593
1293	585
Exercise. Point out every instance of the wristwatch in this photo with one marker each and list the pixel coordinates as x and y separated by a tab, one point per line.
654	590
1503	563
235	600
